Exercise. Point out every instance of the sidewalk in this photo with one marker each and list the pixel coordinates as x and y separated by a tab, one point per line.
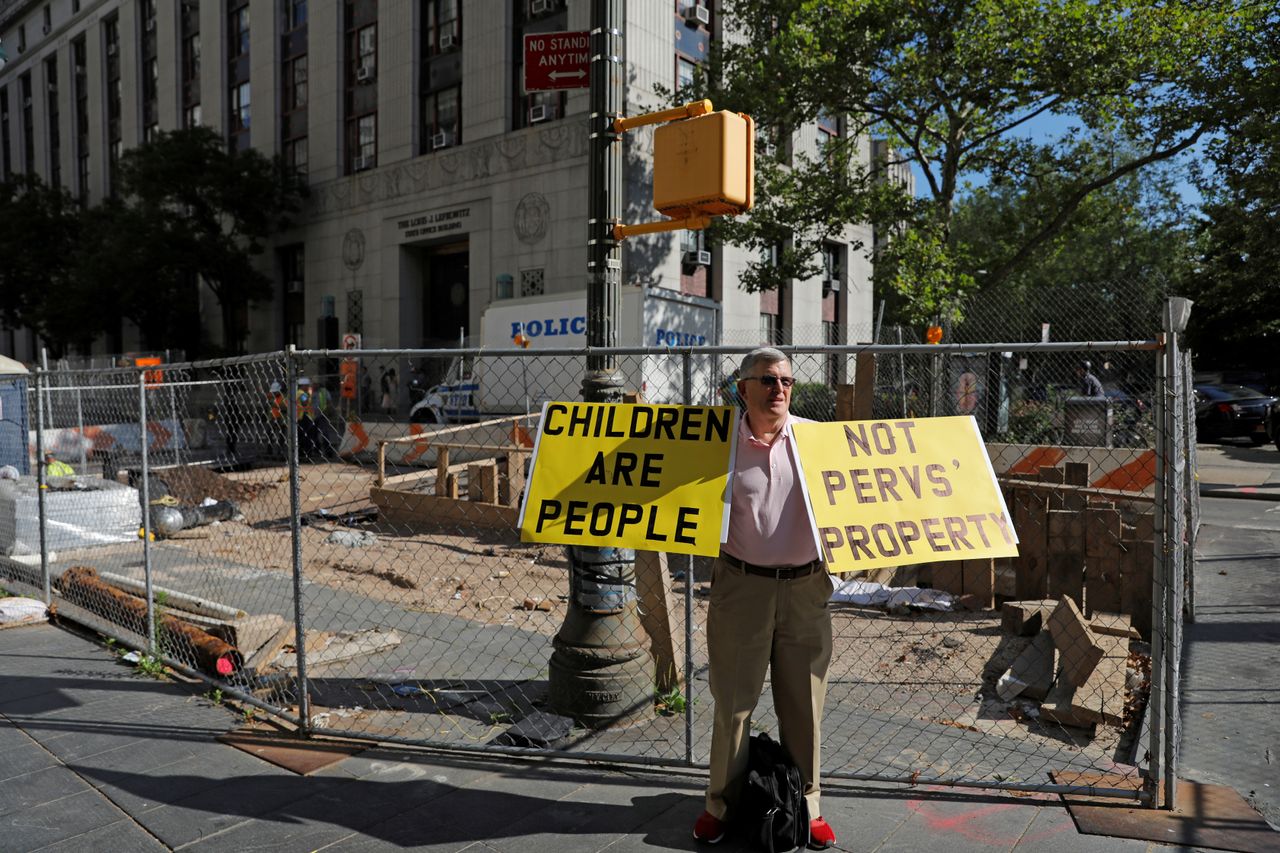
94	756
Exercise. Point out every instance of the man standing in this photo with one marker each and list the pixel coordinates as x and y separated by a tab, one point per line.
769	612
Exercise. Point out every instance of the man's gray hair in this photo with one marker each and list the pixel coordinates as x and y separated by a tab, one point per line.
761	355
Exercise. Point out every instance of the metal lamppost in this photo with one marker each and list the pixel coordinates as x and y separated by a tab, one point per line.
601	672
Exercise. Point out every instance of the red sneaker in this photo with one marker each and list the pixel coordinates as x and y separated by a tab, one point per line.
821	835
709	829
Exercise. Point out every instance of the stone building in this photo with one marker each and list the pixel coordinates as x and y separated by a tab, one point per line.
438	186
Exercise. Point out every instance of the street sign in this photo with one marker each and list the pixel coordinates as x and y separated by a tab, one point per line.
351	340
556	61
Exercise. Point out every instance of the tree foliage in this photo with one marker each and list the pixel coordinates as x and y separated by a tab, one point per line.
952	85
209	213
1237	285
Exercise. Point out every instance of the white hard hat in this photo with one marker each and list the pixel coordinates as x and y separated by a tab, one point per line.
8	472
302	380
275	387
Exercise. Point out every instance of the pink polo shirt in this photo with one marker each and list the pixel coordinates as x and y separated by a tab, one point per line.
768	523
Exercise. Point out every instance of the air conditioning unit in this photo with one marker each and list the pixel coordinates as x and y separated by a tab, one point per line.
294	285
538	112
443	139
699	258
542	7
362	163
696	14
830	285
448	41
365	74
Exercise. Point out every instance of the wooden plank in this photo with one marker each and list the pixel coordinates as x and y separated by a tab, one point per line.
266	653
1102	560
1031	674
419	508
1074	474
1057	706
511	479
1135	584
979	580
1078	648
948	577
1144	527
345	646
451	487
1030	580
482	482
864	386
1114	624
653	585
442	471
1055	476
1025	618
1101	698
844	403
1066	554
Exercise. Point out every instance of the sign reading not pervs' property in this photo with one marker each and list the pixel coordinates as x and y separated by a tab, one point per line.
890	493
630	476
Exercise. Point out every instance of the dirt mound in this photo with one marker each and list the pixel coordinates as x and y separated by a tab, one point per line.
191	484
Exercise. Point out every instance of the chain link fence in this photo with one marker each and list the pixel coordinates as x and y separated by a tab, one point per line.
252	523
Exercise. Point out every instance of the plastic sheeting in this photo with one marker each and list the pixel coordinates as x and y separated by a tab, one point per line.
879	595
103	513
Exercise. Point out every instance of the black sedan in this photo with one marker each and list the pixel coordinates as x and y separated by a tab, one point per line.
1232	411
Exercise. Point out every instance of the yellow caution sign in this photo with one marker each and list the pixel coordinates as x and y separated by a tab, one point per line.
631	476
889	493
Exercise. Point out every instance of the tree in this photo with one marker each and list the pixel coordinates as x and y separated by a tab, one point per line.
208	213
952	85
40	228
1103	277
1237	284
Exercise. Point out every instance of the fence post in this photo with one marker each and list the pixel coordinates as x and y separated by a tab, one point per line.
1159	582
1176	313
688	598
295	538
146	512
40	488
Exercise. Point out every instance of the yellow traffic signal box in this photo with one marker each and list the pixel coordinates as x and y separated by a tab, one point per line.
704	165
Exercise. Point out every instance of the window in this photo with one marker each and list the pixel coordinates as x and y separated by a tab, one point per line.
189	63
295	14
534	17
444	26
238	32
22	37
367	137
360	101
295	154
685	70
240	97
115	138
366	53
295	87
53	133
80	120
440	117
47	15
292	261
770	331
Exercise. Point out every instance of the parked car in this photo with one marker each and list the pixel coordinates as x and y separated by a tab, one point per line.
1273	424
1232	411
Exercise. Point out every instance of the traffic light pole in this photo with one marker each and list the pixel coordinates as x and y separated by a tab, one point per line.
601	672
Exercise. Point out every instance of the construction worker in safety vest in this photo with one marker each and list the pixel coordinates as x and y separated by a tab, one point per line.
54	467
308	432
279	407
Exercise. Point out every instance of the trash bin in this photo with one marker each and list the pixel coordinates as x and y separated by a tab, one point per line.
1087	421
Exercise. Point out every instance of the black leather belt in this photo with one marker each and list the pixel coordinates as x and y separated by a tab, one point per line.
781	573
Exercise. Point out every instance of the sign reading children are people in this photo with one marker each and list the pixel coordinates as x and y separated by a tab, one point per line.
889	493
641	476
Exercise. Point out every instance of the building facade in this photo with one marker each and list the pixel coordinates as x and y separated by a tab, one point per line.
438	185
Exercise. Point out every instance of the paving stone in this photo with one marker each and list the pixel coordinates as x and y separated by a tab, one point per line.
113	838
22	760
21	793
42	825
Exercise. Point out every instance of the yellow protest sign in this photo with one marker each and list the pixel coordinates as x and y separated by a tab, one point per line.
630	476
888	493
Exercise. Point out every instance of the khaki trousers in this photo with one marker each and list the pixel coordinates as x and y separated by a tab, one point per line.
756	623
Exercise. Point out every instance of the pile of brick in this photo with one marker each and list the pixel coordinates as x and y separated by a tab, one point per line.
1076	668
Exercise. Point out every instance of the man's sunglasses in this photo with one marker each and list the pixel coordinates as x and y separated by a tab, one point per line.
770	381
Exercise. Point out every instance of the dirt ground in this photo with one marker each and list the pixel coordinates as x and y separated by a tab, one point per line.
941	667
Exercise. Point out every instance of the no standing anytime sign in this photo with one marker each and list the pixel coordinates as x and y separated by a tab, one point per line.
556	61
